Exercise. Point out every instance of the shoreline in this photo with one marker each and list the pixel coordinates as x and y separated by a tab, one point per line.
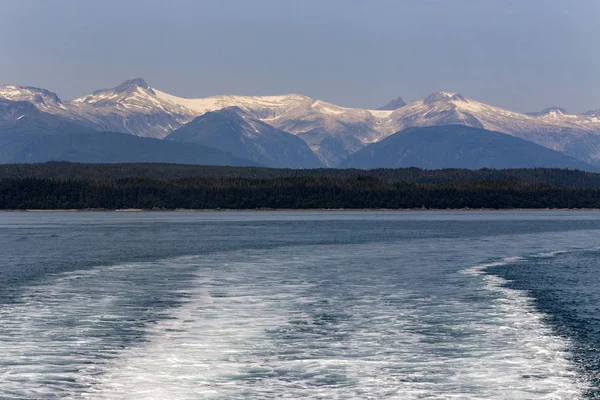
228	210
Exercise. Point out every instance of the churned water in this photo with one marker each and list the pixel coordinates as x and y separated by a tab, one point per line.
316	305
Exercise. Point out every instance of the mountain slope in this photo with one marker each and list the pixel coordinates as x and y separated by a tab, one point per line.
234	130
23	125
110	147
22	117
456	146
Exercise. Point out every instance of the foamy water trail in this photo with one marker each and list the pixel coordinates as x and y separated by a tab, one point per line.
546	357
58	337
257	328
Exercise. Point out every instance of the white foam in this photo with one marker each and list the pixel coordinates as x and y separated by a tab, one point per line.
239	339
58	336
542	352
550	254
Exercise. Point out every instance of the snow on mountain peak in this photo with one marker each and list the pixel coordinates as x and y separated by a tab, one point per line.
548	111
132	93
129	87
443	97
133	85
41	97
265	107
136	82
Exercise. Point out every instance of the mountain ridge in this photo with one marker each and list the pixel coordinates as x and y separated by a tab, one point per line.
332	132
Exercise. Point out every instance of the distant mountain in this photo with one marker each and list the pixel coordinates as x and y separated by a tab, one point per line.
30	135
131	107
234	130
457	146
548	111
575	135
394	104
332	132
135	107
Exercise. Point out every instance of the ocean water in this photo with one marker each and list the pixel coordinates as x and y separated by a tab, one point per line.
289	305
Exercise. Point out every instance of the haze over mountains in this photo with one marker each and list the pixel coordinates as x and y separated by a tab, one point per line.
290	130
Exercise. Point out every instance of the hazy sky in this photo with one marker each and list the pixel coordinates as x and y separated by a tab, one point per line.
520	54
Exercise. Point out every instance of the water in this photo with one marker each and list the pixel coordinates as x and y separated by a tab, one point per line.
339	305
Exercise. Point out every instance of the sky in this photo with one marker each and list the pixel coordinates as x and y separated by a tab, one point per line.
517	54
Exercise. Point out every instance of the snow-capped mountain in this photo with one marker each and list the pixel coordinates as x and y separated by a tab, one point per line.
575	134
332	132
442	108
132	107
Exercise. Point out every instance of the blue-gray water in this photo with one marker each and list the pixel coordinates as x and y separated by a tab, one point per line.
340	305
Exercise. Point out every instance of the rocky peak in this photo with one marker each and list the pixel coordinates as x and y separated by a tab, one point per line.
127	87
394	104
132	84
437	97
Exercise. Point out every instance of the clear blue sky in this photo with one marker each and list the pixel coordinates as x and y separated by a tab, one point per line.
520	54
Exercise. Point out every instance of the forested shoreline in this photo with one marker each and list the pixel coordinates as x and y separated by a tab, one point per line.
161	171
56	186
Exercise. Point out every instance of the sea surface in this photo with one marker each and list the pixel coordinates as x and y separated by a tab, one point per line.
291	305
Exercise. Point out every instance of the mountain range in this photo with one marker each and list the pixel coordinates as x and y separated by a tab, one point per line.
293	130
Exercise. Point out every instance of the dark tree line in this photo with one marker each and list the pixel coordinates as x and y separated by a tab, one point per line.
75	171
303	192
